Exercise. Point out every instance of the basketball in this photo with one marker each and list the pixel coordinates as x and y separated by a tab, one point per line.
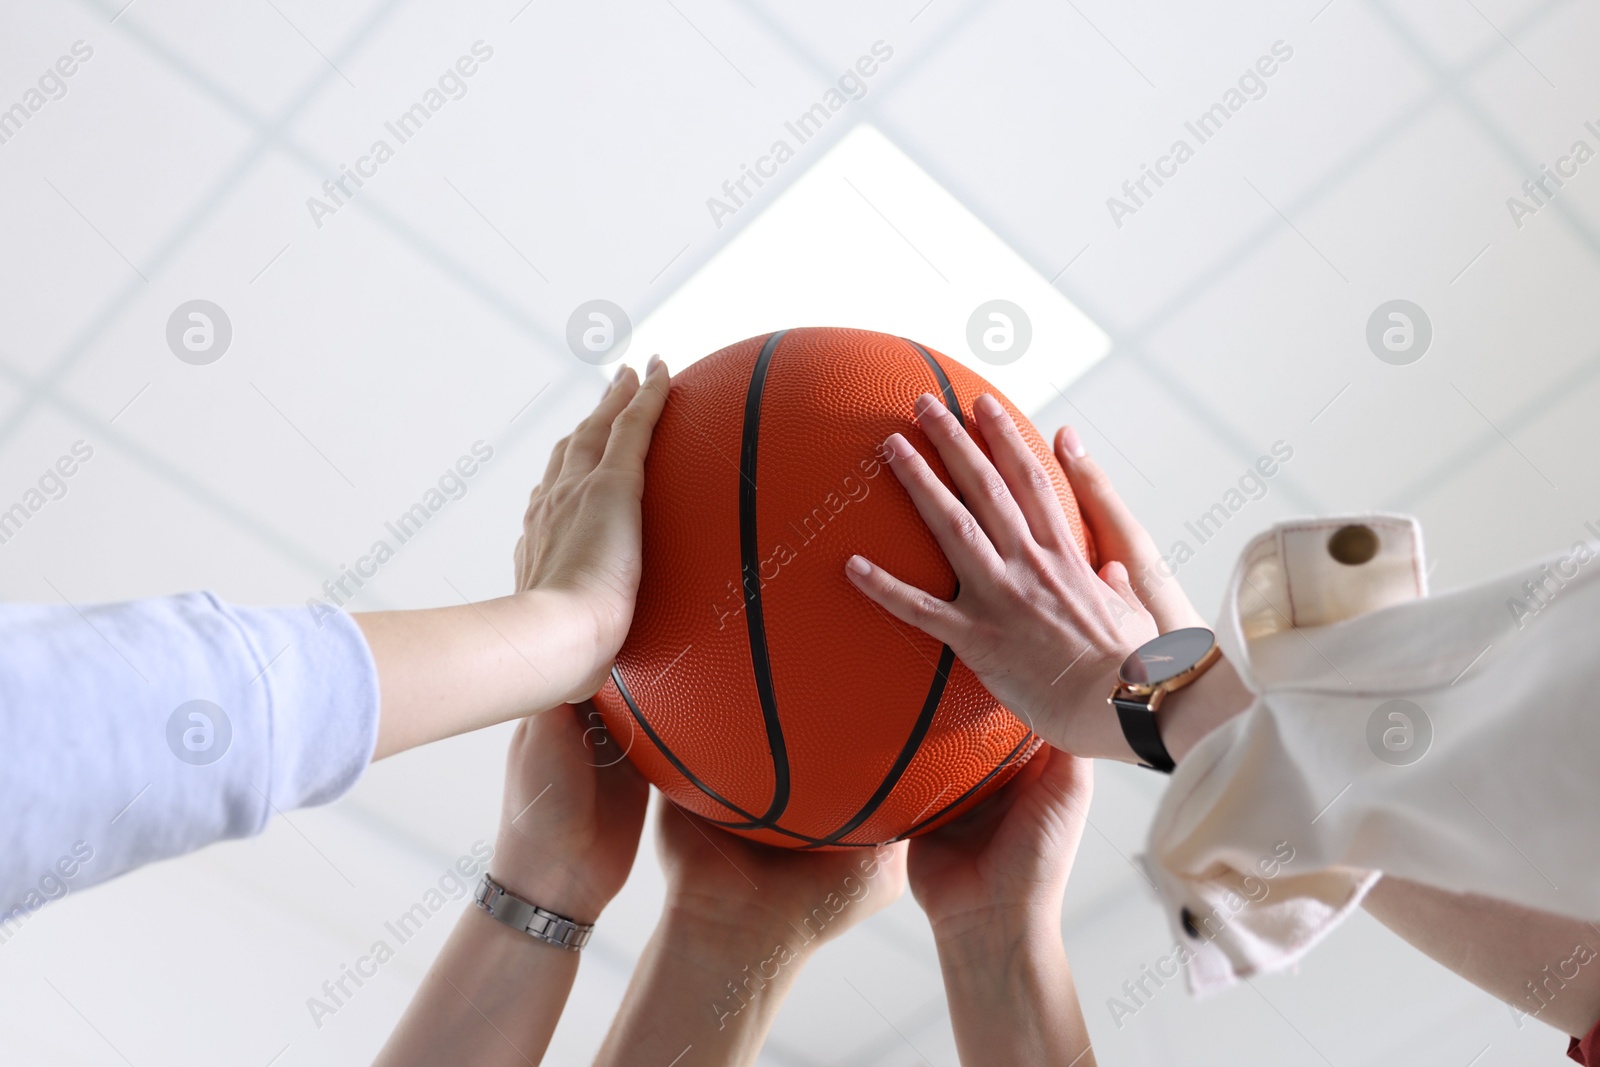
757	687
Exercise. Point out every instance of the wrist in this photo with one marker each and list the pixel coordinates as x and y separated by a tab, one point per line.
1085	723
552	887
575	649
983	935
1011	995
485	954
1183	719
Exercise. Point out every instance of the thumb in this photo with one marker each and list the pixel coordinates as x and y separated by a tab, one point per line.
1119	533
1071	779
1104	510
1115	575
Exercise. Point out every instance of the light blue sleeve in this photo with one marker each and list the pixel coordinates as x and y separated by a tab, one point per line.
134	732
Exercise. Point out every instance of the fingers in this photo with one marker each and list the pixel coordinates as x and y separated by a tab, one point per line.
685	838
1070	782
888	883
912	606
1069	771
963	540
1102	508
621	791
979	823
896	863
985	493
630	434
588	442
1030	485
1112	524
600	749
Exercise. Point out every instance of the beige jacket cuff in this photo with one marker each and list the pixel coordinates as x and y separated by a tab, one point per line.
1245	892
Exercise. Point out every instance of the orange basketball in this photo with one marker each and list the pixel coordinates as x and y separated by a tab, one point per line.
758	688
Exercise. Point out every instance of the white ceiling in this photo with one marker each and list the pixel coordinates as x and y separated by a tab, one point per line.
428	313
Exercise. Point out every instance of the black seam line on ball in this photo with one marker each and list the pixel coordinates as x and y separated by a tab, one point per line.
957	802
750	566
945	387
661	746
941	676
672	758
908	751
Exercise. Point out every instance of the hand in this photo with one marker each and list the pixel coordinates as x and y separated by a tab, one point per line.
1041	630
992	884
754	893
569	829
568	833
1005	865
445	671
741	920
1188	715
581	533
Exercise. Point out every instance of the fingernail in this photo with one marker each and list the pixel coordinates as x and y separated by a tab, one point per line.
859	566
621	370
900	446
927	402
655	361
989	407
1074	443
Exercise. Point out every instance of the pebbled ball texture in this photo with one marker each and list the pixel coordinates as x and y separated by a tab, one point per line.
759	688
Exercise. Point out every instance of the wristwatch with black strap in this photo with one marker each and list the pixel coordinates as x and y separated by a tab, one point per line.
1156	668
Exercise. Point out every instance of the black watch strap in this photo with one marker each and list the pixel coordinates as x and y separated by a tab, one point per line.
1139	727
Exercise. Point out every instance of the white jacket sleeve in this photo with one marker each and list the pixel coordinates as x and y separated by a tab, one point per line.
1451	740
134	732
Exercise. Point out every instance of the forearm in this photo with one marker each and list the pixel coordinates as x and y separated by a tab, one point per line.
446	671
717	987
1539	963
1011	995
493	996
